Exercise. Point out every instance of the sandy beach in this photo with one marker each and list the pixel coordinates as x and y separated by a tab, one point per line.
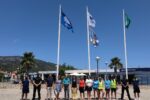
13	92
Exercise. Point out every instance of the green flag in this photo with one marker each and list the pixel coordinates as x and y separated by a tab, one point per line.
127	21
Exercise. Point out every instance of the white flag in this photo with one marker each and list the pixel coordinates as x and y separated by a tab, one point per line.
91	21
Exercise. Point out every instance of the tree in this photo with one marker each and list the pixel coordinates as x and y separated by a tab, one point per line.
27	61
115	64
64	67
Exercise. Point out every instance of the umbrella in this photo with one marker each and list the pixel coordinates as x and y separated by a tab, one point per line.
74	74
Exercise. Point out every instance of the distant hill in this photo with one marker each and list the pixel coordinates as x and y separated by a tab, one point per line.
11	63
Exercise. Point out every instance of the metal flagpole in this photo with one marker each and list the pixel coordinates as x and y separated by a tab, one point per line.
58	49
88	41
125	47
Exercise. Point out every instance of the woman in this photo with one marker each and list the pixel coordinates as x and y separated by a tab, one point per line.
89	84
25	88
95	86
81	87
57	88
74	88
101	88
107	88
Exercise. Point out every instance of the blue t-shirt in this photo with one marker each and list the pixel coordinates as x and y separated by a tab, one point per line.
107	84
95	84
66	81
49	82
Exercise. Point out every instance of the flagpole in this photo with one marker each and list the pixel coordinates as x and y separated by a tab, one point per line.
88	41
125	47
58	49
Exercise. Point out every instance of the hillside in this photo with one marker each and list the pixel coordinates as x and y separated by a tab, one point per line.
11	63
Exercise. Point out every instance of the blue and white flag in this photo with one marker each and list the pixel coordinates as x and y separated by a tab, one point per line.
91	21
94	39
66	22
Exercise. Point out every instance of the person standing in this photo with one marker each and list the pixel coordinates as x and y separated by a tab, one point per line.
107	88
37	86
66	83
57	88
95	86
125	86
101	88
49	86
136	89
81	87
74	88
113	87
89	84
25	88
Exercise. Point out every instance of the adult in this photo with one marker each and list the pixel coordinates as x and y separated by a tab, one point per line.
136	88
25	88
95	86
107	88
101	88
125	86
57	88
66	83
37	86
89	84
81	87
113	87
49	86
74	88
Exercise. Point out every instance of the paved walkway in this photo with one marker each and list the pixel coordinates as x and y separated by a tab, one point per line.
13	92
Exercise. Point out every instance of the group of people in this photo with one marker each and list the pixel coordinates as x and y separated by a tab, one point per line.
101	88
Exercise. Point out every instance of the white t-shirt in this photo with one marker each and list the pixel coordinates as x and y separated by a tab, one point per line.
89	82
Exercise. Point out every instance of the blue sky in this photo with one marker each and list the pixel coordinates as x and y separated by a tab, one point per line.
32	25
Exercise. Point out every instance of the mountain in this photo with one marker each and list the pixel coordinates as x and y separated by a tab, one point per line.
11	63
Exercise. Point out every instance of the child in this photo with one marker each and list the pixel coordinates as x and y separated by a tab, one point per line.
25	88
136	88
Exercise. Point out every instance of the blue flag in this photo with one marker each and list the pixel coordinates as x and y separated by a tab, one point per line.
66	22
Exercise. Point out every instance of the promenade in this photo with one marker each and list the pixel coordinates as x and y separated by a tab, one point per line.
13	92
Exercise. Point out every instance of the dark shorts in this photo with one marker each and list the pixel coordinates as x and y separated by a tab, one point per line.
81	89
107	90
136	90
25	90
113	89
95	89
89	88
100	90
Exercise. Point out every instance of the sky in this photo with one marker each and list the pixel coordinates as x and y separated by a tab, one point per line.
32	26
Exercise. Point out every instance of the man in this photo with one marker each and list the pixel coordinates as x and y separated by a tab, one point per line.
37	86
66	83
113	87
136	88
125	86
49	85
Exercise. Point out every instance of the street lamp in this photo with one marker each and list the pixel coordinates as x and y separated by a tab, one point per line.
97	60
106	63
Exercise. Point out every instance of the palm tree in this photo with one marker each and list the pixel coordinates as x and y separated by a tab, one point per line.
27	60
115	64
